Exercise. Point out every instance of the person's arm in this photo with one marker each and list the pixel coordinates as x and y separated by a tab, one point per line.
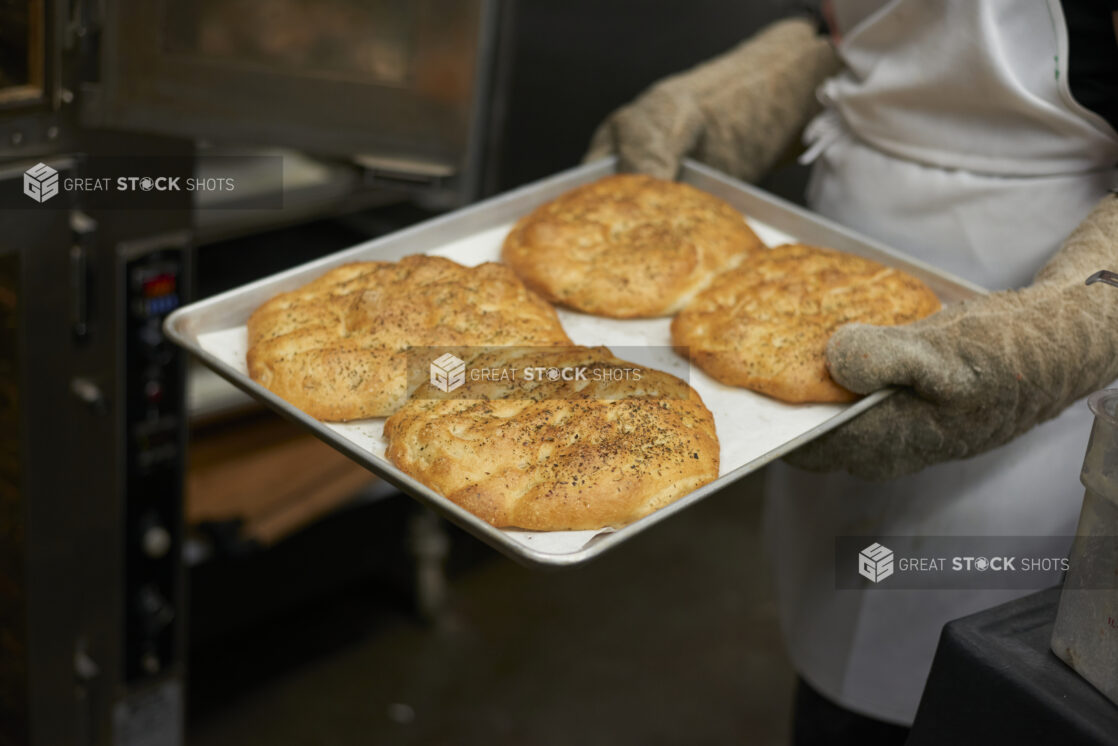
979	373
738	112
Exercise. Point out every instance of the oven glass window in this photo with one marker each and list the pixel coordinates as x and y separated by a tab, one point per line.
362	40
21	50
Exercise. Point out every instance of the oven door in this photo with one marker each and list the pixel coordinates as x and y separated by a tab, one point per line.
395	85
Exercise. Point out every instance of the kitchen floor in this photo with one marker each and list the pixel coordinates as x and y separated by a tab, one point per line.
669	639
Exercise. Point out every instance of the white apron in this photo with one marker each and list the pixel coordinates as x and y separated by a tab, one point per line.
950	135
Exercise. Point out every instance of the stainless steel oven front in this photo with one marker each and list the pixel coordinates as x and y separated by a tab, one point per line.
92	405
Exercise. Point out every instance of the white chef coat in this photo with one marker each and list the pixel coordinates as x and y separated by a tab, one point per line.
951	135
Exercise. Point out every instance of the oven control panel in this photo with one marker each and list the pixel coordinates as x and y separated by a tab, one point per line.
155	414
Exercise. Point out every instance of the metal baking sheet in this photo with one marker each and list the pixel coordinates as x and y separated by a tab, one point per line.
753	429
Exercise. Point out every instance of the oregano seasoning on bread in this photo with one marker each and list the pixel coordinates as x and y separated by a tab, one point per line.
627	246
764	325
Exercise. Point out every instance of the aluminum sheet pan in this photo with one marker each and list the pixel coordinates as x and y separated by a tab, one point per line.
753	429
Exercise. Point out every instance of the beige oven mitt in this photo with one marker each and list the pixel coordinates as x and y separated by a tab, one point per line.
979	373
738	112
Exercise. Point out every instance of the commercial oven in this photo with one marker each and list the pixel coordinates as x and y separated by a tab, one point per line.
92	400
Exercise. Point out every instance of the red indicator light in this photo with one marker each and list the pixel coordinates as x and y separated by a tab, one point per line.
159	285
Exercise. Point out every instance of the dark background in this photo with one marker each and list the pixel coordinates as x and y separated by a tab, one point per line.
572	63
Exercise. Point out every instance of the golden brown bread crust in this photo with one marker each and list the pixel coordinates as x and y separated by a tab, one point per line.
336	347
627	246
765	325
557	456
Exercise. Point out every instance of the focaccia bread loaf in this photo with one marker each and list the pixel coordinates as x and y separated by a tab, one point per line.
628	246
337	347
558	454
765	325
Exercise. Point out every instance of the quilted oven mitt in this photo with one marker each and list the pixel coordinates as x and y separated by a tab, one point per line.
979	373
738	112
